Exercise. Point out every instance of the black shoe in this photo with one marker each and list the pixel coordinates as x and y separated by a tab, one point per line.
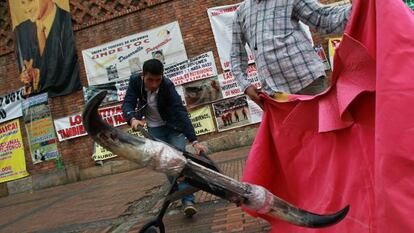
189	209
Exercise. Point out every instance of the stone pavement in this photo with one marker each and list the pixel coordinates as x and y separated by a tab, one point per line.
123	203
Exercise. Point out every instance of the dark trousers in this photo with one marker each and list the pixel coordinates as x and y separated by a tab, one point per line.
176	139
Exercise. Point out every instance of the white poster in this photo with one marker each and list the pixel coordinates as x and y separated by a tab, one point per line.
69	127
72	126
119	59
256	112
180	92
229	86
11	106
199	67
221	19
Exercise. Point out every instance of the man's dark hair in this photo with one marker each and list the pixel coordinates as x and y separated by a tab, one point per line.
153	66
158	52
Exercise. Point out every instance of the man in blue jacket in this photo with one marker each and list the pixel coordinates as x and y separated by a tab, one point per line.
152	99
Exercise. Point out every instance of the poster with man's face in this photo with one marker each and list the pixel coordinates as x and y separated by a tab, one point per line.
45	46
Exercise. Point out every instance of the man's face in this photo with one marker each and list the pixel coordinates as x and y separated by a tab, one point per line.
159	57
30	8
35	9
152	81
43	5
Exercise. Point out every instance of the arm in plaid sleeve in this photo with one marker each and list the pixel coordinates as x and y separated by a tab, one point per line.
325	19
238	54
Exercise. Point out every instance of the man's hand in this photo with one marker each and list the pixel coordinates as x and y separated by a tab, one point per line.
30	76
199	147
253	93
135	123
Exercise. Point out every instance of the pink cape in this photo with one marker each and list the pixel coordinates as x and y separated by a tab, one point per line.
353	144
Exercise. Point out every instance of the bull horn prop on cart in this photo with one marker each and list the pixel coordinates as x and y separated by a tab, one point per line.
163	158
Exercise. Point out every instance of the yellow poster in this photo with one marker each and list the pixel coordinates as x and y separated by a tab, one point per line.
333	44
103	154
202	120
12	162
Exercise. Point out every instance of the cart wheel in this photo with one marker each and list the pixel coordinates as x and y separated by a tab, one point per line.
151	230
154	226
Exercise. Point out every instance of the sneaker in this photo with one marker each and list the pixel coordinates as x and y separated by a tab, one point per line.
189	209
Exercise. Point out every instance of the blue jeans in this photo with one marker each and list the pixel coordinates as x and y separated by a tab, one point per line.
176	139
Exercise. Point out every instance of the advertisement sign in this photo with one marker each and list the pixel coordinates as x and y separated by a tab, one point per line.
115	91
202	92
11	106
221	20
322	55
72	126
104	154
12	162
256	112
229	86
118	59
39	126
199	67
202	120
333	43
232	113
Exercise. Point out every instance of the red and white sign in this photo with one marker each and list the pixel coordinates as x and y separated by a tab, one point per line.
221	19
199	67
72	126
229	86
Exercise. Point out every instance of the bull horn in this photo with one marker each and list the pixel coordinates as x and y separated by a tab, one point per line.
147	153
163	158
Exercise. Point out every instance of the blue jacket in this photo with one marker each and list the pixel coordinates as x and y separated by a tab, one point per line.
169	105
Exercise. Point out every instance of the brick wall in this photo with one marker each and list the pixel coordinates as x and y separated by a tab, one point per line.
197	35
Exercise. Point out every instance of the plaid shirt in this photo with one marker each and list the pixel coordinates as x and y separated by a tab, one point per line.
285	58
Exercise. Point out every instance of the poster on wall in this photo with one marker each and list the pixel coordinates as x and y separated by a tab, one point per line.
221	20
256	112
12	162
180	92
117	60
104	154
112	115
11	105
229	86
101	153
202	92
232	113
39	127
72	126
199	67
115	91
322	55
333	43
45	47
202	120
